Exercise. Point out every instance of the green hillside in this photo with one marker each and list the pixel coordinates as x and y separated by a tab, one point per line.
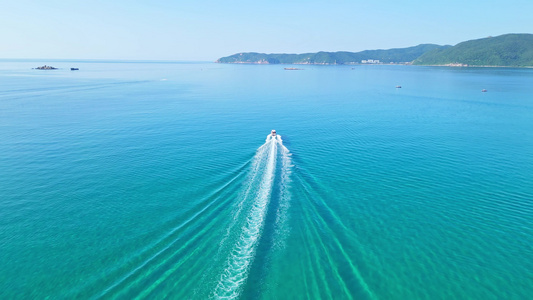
399	55
514	50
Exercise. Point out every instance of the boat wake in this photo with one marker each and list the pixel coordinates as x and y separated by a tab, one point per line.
264	178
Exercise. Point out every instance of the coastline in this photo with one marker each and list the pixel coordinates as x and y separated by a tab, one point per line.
381	64
473	66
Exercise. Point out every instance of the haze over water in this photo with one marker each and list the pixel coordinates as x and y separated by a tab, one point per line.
153	180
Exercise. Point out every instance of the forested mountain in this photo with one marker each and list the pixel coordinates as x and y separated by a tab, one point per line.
513	50
399	55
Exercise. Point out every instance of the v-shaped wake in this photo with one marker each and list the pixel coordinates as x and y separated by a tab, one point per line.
259	190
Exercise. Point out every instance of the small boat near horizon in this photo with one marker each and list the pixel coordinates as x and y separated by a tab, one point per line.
74	69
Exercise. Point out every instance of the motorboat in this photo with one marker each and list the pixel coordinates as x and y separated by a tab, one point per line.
273	133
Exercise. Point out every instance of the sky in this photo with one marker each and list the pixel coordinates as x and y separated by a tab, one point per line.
205	30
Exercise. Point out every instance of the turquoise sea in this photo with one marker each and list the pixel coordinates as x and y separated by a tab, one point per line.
152	180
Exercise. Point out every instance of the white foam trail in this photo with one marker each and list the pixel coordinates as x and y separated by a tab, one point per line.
284	202
256	164
236	271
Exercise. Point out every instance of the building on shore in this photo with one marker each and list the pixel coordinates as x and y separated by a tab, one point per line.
370	61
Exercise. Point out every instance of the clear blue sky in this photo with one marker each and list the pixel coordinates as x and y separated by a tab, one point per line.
209	29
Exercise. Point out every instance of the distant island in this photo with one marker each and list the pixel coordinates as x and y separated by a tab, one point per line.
509	50
45	67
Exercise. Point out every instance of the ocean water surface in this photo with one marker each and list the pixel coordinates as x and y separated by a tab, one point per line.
157	180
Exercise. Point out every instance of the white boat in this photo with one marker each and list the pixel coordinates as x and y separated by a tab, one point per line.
273	133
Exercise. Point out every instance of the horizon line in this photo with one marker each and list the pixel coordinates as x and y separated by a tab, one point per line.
108	60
